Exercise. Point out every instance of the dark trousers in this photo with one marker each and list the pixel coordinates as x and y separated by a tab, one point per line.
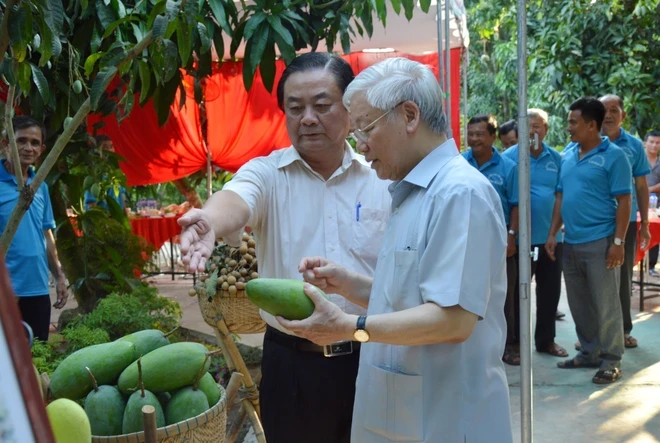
512	303
653	256
35	311
625	286
548	292
305	397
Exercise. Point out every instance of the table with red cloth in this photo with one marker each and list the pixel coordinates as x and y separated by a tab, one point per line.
654	228
158	231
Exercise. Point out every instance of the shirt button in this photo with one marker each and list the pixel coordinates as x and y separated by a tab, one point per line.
332	248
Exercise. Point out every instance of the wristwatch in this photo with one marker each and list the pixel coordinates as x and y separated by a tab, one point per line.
361	333
512	232
618	241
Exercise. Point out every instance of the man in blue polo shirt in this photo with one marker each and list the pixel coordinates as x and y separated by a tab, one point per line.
32	251
634	150
544	165
503	175
593	202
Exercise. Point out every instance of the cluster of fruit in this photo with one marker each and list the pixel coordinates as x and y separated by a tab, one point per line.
117	379
228	269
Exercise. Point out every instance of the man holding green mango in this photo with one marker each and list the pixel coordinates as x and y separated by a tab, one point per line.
317	197
432	342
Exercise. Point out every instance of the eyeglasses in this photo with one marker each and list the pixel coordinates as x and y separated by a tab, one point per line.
360	135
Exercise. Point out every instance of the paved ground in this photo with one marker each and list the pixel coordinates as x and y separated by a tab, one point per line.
568	407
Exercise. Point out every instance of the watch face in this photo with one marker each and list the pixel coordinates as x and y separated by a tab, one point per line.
361	335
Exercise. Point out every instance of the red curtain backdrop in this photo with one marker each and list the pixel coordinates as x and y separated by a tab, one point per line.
241	125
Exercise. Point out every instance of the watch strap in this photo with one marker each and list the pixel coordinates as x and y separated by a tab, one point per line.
361	322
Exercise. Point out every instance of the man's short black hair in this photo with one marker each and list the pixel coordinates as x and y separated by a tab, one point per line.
489	119
24	122
336	65
654	133
507	127
591	109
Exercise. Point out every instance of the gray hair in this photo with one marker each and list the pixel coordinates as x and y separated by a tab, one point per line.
538	113
396	80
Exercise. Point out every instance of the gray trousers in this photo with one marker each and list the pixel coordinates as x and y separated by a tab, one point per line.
593	296
625	291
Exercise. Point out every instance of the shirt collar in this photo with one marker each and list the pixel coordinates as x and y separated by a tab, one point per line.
623	136
604	144
431	165
6	176
495	159
292	155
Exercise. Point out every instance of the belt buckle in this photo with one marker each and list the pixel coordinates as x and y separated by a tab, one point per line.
337	349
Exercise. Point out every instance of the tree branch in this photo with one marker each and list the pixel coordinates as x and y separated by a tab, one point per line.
13	148
25	198
4	29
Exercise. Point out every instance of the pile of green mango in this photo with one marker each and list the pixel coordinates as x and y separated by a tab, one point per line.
117	379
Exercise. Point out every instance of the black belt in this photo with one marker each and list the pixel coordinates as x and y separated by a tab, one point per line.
304	345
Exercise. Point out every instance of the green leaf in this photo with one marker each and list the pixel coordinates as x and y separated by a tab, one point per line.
20	30
119	8
145	80
91	62
36	106
248	75
164	97
219	44
252	24
184	39
288	52
115	54
165	57
100	84
261	38
110	29
172	7
367	21
160	27
106	14
345	41
381	10
95	43
54	15
23	75
204	38
83	5
155	12
267	66
409	7
425	5
396	6
275	23
218	9
40	81
236	38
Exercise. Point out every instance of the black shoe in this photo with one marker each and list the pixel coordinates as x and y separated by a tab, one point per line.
559	315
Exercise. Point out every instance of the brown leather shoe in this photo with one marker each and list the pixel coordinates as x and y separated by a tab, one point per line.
555	350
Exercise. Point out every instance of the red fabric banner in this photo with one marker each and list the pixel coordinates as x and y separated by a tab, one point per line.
241	125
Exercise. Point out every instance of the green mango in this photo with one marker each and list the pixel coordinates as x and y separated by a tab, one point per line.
105	409
168	368
106	361
164	398
186	403
147	341
133	421
282	297
208	386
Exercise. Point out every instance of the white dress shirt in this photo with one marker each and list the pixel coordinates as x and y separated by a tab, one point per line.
445	244
295	213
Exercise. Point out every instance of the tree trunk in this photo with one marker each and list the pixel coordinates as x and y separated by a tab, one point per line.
189	193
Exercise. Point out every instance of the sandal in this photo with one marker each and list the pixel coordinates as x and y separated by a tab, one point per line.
630	342
607	376
554	349
578	346
511	357
571	363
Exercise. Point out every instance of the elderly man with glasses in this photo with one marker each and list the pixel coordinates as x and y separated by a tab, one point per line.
317	197
430	364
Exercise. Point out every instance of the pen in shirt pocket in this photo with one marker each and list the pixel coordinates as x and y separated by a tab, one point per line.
357	211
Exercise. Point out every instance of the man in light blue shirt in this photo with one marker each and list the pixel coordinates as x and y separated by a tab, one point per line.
32	251
502	173
632	146
544	166
432	341
593	202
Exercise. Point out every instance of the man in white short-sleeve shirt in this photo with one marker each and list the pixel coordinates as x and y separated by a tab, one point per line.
315	198
430	365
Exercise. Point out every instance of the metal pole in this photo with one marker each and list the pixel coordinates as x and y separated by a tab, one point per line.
441	77
448	69
209	173
524	240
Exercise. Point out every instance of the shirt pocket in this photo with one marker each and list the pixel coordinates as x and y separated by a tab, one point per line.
405	288
368	232
395	407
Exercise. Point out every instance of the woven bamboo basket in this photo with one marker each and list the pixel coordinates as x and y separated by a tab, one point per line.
240	314
207	427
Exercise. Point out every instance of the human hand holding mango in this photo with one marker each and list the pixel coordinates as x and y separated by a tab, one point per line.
324	274
327	324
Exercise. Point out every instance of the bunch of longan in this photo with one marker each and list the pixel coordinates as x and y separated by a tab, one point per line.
228	269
